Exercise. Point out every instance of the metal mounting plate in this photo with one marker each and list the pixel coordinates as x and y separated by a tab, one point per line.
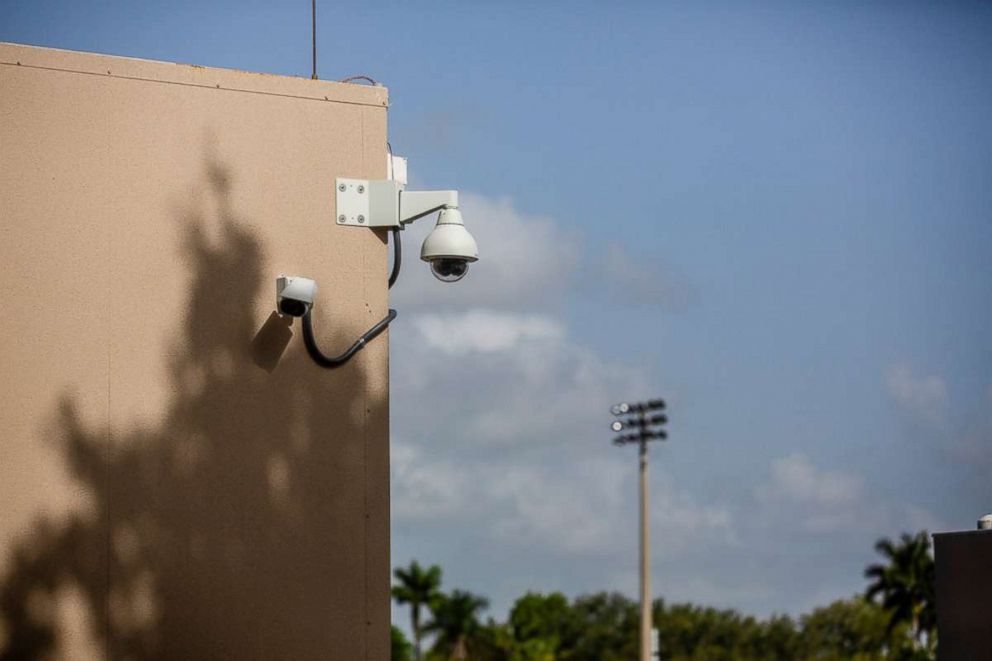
352	202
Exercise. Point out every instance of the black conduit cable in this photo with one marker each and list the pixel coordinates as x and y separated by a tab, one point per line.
397	257
336	361
368	79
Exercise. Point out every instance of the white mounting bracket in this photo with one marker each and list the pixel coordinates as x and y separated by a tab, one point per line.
385	203
367	203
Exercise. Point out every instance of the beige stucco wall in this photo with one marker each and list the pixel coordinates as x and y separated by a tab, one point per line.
177	479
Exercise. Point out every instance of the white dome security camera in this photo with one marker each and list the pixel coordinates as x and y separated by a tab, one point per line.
449	247
294	295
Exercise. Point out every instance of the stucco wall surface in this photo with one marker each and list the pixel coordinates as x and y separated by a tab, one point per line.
177	479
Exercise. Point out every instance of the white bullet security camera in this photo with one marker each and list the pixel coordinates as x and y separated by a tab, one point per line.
294	295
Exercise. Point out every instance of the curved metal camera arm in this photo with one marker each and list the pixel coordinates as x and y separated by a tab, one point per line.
417	204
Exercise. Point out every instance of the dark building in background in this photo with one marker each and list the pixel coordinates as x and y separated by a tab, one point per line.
964	594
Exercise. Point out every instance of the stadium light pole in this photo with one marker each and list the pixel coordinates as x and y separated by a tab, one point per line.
644	424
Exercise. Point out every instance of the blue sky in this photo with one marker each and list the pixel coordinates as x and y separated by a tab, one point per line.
778	217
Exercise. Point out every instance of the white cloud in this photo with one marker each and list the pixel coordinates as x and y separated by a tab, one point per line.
423	487
816	500
682	522
590	506
504	378
796	479
823	502
923	397
484	330
568	511
570	506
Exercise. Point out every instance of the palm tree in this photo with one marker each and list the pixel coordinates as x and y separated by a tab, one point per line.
906	584
456	621
417	587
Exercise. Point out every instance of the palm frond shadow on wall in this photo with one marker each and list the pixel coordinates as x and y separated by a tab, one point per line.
227	531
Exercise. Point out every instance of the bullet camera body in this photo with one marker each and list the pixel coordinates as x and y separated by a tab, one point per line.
294	295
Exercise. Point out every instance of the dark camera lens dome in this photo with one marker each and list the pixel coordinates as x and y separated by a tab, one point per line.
292	308
449	269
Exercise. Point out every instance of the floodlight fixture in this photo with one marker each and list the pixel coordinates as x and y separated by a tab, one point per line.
621	408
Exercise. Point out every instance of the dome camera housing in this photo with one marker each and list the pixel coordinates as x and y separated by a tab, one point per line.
449	247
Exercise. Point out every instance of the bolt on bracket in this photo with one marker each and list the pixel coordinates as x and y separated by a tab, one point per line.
366	203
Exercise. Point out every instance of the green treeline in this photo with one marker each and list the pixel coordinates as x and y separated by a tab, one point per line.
894	619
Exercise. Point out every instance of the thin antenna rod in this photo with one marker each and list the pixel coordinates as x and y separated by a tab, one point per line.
313	13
